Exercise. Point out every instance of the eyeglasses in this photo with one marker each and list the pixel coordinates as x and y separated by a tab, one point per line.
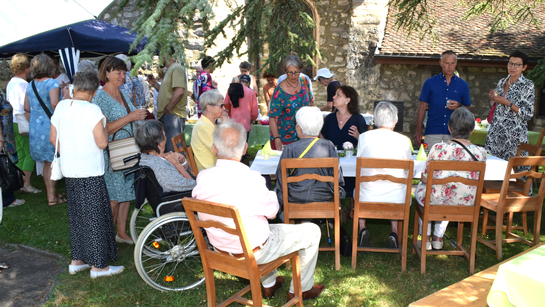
219	105
293	73
516	65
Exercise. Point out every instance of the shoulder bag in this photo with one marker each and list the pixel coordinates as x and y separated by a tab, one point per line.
22	124
11	177
56	172
119	150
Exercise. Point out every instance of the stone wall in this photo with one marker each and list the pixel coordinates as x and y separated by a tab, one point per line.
366	32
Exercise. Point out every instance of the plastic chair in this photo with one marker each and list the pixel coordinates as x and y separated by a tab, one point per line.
245	267
190	156
383	210
458	214
508	202
315	210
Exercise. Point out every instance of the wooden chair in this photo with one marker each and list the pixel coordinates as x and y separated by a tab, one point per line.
180	140
458	214
245	267
383	210
509	202
518	186
315	210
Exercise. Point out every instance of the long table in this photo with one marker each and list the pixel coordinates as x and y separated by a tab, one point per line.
259	135
495	167
478	137
472	291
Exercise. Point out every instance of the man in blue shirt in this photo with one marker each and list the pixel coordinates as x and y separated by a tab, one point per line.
441	95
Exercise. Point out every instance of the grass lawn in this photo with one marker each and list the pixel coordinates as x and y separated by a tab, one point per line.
377	281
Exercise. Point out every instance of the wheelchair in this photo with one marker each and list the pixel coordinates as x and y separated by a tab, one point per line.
166	255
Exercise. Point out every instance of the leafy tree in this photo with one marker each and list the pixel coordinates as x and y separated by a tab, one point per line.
282	25
419	16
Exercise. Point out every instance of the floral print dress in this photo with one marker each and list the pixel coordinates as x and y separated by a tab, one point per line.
6	122
453	193
284	106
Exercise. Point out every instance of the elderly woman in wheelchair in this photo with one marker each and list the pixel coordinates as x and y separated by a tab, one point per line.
166	255
171	169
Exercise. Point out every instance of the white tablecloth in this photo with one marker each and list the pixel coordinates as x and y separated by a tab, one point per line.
495	167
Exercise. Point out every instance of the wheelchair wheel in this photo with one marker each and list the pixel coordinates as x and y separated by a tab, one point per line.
140	218
166	254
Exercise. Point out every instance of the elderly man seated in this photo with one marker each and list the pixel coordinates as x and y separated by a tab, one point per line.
233	183
383	143
211	103
309	124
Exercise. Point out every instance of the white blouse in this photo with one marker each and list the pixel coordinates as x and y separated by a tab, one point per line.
80	155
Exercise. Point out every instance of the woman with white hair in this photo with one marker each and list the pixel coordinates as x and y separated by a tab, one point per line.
309	123
212	106
383	142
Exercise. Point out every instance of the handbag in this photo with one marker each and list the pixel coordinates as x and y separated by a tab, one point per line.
120	149
11	178
491	114
22	124
56	172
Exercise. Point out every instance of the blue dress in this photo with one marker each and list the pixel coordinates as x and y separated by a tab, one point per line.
119	187
40	124
134	89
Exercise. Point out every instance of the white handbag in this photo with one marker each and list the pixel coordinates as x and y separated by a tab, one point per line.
56	173
22	123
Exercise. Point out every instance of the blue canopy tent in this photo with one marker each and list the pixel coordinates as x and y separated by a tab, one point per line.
90	38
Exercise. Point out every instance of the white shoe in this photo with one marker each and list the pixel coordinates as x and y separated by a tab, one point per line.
73	269
112	271
428	245
437	244
118	239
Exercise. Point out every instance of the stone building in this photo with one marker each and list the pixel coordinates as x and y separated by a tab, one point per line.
363	48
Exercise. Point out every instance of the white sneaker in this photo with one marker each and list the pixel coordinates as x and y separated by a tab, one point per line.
112	271
73	269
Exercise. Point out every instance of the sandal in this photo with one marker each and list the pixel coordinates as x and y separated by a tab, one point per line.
16	203
57	201
4	265
30	189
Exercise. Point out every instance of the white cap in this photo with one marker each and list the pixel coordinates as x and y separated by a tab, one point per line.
125	59
324	73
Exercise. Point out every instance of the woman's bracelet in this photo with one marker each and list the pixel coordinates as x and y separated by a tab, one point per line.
278	137
183	164
510	105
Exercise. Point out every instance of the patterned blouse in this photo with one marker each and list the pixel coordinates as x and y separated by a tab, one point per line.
509	129
202	84
6	122
283	107
451	194
134	89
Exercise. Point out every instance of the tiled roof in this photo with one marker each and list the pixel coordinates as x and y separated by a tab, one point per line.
471	38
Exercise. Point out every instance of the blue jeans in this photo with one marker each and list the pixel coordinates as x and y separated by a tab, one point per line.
174	125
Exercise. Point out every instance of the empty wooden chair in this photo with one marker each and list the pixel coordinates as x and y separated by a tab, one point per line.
458	214
383	210
245	267
178	142
508	202
314	210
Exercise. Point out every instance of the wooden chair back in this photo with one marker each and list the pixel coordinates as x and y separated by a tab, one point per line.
178	142
313	210
245	267
383	210
460	214
540	138
509	202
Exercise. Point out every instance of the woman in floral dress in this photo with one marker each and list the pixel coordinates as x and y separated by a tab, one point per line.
288	97
43	68
460	125
514	97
